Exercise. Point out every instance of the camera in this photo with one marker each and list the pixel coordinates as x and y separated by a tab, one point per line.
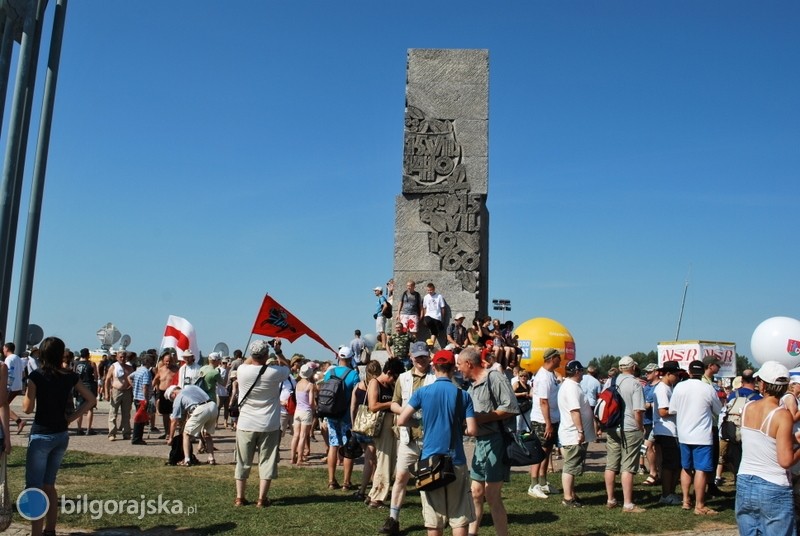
271	342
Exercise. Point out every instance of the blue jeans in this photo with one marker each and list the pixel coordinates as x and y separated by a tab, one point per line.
763	507
45	452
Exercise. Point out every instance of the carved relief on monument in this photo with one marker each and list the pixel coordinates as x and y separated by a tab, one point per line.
431	152
432	166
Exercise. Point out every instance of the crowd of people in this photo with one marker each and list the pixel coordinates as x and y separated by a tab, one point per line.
423	401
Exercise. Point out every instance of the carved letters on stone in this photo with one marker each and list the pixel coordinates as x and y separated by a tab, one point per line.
432	166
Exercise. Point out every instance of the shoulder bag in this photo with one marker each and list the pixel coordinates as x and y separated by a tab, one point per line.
237	405
437	471
521	448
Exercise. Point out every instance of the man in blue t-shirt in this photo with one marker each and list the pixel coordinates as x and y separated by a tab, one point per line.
451	504
339	428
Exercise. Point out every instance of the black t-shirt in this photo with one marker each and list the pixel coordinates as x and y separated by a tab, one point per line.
85	371
53	390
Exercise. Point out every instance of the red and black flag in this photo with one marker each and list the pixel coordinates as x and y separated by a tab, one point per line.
275	321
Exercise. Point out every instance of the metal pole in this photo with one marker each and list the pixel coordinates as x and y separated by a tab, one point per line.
39	169
6	47
10	164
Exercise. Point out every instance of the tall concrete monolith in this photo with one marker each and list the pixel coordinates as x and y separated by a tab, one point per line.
441	220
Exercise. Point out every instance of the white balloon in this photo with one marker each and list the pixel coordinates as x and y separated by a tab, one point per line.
777	339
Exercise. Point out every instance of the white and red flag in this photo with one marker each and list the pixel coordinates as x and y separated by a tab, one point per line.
179	334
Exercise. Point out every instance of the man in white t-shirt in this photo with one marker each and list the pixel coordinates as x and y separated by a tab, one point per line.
259	425
575	431
544	420
666	433
696	407
433	313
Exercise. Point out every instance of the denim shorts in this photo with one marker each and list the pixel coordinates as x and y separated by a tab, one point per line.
45	452
763	507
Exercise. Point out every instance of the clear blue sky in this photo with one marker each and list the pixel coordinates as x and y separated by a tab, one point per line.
204	153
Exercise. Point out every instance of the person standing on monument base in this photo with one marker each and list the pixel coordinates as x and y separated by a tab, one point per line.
381	314
433	312
399	345
410	310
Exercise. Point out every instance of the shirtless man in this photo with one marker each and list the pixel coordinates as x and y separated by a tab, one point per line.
166	375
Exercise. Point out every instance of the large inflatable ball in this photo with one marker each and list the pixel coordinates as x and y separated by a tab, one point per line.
537	335
777	339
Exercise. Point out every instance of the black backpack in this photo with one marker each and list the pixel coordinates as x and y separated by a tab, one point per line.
332	397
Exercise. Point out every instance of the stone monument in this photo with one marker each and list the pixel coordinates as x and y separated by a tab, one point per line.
441	220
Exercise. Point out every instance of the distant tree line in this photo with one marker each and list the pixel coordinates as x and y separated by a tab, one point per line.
605	362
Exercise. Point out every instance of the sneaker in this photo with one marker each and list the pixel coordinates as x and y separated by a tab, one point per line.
671	500
537	492
572	503
550	490
390	526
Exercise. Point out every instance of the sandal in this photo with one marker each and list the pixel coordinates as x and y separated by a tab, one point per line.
686	506
263	503
650	481
705	511
612	504
347	486
184	463
333	485
240	501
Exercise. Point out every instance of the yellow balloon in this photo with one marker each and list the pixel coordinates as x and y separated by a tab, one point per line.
537	335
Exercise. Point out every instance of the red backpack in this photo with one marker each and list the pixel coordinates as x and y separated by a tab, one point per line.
610	409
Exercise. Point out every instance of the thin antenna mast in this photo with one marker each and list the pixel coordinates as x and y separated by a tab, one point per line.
683	303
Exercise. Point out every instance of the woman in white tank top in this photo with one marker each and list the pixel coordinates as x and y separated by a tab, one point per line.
764	502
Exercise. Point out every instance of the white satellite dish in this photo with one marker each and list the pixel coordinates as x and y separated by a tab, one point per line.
222	349
108	335
35	334
124	342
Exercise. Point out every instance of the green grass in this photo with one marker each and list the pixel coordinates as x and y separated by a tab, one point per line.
302	505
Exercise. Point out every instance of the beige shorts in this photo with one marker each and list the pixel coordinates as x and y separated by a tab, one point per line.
203	418
268	455
450	505
619	458
407	456
303	417
574	457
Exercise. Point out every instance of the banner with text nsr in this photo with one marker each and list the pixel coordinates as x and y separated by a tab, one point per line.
684	352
